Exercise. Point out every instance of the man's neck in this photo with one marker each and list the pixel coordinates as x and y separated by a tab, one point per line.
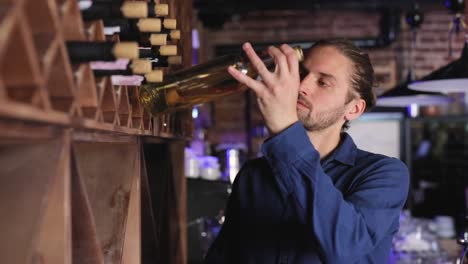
325	141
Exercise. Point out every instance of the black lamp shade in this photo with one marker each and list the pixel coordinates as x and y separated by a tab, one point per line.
402	96
449	79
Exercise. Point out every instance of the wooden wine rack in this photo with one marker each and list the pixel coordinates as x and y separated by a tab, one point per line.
86	174
38	83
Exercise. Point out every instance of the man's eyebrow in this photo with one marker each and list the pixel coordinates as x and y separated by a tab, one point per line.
327	75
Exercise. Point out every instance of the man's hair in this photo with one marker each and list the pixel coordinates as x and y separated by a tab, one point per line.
362	77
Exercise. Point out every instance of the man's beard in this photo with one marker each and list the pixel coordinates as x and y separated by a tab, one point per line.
320	120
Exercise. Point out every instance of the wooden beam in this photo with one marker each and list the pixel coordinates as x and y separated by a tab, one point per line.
180	225
102	137
131	253
55	234
11	130
86	249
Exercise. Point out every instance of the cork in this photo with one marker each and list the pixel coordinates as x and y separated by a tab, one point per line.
170	23
174	60
158	39
137	9
149	25
141	66
161	9
154	76
126	50
168	50
175	34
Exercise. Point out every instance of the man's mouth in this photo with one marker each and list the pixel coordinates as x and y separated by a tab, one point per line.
301	104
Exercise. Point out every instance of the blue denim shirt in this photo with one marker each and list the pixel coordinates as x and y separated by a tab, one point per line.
289	207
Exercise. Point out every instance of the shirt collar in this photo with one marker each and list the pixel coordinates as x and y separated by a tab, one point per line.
345	152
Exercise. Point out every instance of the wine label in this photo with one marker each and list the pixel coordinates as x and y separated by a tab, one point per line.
119	64
137	9
127	50
174	34
154	76
168	50
174	60
170	23
149	25
161	9
135	80
158	39
108	31
141	66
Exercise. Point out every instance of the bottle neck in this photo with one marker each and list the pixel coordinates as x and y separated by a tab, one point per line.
245	65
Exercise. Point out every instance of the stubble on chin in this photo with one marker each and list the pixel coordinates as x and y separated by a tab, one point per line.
321	120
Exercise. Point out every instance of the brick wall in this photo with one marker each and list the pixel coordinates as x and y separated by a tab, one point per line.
391	62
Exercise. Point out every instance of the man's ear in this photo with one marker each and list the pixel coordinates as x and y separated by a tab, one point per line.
355	109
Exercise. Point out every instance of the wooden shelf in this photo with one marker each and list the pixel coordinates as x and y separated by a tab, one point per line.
74	184
35	72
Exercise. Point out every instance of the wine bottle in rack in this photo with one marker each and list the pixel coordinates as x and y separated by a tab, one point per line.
158	51
84	51
95	10
201	83
154	39
166	61
148	25
138	66
133	67
154	76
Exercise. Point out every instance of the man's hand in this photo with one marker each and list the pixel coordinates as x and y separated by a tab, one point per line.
277	92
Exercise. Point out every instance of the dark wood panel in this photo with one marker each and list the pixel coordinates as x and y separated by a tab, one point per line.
166	183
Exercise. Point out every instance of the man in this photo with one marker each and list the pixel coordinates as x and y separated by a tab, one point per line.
314	197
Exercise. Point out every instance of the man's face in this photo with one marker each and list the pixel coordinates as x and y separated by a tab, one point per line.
324	92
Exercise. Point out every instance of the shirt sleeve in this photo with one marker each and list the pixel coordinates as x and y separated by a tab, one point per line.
347	228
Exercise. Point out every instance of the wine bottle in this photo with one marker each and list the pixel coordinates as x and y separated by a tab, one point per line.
149	25
166	61
91	10
201	83
135	67
84	51
154	76
153	39
158	51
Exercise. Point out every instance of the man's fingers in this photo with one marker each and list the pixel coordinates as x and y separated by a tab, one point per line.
256	86
280	60
257	63
291	57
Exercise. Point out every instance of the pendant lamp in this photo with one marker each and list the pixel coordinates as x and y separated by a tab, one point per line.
451	78
402	96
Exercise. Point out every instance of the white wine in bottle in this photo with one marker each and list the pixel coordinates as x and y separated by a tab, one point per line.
201	83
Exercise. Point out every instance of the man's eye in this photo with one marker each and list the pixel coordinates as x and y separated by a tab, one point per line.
322	83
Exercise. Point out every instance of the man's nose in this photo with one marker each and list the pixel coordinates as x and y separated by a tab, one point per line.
302	90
